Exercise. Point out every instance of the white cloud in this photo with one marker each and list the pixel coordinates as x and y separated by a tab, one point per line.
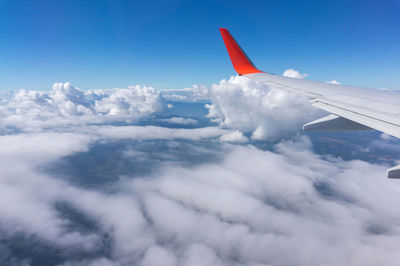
25	193
254	108
303	209
234	136
66	105
153	132
199	255
259	201
180	120
291	73
334	82
157	255
258	134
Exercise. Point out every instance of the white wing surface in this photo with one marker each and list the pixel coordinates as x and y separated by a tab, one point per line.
353	108
372	108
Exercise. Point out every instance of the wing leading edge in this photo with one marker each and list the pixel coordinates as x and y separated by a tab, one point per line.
352	108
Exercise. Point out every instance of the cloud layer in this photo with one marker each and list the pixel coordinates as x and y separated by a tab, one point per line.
236	204
282	207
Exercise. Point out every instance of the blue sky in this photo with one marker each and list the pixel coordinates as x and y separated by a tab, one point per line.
174	44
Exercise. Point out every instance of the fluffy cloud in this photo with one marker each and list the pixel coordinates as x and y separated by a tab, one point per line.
302	208
25	194
253	109
291	73
282	206
257	110
237	103
66	105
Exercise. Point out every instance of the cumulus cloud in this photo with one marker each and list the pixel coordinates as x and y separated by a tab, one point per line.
66	105
255	109
291	73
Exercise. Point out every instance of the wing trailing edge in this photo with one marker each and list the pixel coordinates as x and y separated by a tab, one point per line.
333	122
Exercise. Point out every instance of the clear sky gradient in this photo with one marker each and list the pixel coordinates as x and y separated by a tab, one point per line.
174	44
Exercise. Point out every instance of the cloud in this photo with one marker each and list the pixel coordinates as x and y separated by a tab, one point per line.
291	73
67	105
152	132
279	202
180	120
303	208
300	207
27	197
334	82
157	255
195	93
255	109
94	262
235	136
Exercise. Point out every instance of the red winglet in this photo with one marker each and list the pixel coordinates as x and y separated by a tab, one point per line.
241	63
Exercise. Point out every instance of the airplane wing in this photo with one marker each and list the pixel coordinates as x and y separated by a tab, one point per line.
351	108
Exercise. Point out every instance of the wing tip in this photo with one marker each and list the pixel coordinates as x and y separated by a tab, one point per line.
240	61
